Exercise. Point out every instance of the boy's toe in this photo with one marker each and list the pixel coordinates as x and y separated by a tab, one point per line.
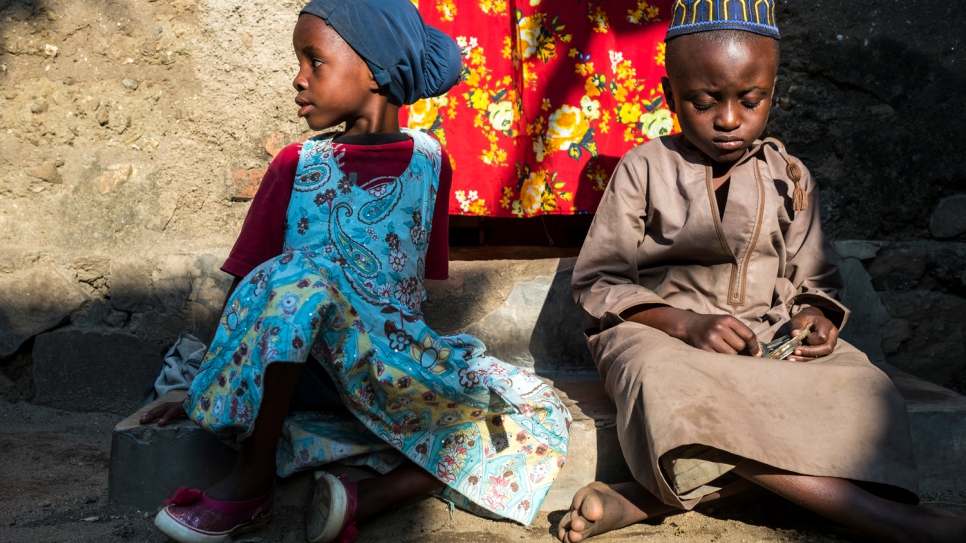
585	510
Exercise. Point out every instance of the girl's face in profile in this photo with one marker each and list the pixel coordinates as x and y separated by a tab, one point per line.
334	83
722	94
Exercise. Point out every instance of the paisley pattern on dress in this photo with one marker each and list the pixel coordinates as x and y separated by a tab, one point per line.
347	290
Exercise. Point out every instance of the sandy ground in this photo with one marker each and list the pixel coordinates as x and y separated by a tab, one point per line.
53	488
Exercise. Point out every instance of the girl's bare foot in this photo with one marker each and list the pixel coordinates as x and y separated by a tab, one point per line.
599	508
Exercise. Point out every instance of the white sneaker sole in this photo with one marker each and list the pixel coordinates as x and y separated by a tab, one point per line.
184	534
326	512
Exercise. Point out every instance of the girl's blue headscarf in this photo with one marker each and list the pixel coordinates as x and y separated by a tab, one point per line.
412	58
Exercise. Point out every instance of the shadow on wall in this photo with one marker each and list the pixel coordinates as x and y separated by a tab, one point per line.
558	342
871	117
521	310
85	341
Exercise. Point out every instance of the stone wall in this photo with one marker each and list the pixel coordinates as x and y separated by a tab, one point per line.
868	98
131	133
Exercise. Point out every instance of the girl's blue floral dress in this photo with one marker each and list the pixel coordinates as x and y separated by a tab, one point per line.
346	294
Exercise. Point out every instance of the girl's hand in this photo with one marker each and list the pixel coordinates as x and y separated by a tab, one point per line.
822	339
167	412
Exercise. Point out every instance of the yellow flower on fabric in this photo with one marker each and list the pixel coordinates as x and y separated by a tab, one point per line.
479	99
495	156
643	11
529	31
657	123
493	7
629	113
572	52
620	93
584	68
598	17
534	2
539	148
604	125
536	127
597	175
505	200
501	115
507	50
590	107
545	104
531	194
661	49
567	127
446	9
529	76
473	77
625	71
423	113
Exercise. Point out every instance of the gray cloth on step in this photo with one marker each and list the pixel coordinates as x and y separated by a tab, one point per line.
179	367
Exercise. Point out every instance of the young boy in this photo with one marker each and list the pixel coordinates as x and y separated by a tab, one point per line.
706	243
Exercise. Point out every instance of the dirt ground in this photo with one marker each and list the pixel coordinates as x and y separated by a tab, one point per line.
53	488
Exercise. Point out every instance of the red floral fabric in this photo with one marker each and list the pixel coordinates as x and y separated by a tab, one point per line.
556	91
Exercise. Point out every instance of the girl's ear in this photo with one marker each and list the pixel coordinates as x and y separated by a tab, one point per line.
668	95
373	86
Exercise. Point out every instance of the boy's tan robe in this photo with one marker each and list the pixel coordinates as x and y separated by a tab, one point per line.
686	416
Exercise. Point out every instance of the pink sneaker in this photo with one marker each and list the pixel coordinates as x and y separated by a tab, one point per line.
332	510
193	517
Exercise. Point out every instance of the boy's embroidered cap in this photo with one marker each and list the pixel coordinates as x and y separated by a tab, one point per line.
691	16
413	59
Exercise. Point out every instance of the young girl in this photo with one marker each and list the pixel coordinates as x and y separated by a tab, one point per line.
343	225
704	243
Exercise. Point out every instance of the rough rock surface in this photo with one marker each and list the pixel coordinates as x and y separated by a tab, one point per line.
33	301
949	219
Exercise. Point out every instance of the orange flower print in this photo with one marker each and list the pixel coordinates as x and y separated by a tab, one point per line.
423	114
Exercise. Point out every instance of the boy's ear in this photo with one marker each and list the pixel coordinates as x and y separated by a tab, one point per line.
668	95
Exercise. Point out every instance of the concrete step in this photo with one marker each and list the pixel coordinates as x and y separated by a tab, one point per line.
148	462
525	314
523	310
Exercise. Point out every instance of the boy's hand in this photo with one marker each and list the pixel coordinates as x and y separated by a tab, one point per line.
822	339
721	334
714	333
167	412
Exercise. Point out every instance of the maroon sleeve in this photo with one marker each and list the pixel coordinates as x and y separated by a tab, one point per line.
437	255
262	233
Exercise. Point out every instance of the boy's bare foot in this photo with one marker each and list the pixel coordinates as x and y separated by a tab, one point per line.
600	508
